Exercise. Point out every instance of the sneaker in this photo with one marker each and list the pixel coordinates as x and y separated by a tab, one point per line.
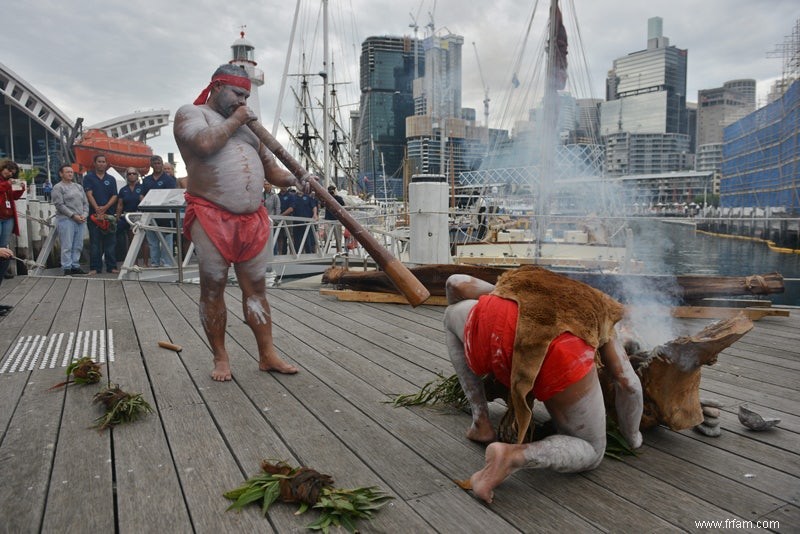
77	270
5	307
67	272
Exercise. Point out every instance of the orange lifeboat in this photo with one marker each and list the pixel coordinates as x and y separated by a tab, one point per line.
120	153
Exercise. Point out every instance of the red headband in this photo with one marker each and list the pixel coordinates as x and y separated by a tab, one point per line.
226	79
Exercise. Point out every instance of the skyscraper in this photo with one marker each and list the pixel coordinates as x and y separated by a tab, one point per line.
646	95
647	89
442	136
387	73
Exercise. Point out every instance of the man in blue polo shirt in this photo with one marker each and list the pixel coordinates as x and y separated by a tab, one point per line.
101	192
160	256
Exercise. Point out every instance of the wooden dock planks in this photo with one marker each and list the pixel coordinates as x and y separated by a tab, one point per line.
168	471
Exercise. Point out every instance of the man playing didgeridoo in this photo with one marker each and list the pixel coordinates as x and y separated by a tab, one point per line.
537	334
225	218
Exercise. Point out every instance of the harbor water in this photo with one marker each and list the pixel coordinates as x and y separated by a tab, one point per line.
675	248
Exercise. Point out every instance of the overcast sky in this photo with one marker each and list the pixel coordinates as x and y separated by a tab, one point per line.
99	60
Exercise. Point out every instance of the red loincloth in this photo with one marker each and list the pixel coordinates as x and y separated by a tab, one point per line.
238	237
489	345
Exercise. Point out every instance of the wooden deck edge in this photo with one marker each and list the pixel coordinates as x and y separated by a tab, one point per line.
684	312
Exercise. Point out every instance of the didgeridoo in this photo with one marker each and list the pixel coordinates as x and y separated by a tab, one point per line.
408	284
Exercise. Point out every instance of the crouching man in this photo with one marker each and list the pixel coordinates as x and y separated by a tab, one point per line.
539	335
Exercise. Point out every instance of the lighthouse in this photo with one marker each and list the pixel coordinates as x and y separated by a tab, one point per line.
243	53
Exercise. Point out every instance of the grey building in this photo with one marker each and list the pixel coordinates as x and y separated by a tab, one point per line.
643	153
646	98
722	106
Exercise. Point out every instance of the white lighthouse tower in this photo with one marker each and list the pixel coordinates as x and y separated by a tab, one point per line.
244	56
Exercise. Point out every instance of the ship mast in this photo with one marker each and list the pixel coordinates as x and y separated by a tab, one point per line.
326	150
548	136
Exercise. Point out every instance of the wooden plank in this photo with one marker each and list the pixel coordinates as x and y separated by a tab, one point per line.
700	477
14	324
349	295
787	517
149	495
414	327
28	446
446	511
202	459
670	502
782	398
430	340
776	448
82	498
389	354
756	371
736	303
706	312
247	431
739	474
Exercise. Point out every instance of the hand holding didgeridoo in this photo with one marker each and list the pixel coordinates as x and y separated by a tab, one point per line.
411	288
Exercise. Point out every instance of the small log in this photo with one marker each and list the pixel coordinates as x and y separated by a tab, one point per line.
170	346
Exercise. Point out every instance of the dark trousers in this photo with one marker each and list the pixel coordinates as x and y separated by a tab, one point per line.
101	245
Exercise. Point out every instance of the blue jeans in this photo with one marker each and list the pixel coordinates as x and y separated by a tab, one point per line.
100	245
70	234
159	256
6	227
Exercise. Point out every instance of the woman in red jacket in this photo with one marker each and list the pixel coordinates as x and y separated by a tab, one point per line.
8	214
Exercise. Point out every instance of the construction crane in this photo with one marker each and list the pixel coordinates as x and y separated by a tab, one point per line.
415	27
486	98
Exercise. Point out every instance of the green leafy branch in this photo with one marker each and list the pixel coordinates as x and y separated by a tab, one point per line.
121	407
312	489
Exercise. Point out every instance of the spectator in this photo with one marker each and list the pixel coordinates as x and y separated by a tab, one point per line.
9	222
287	198
47	190
101	192
128	202
333	226
273	205
72	210
5	255
306	207
160	256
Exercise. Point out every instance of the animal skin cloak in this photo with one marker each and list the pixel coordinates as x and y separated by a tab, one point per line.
550	304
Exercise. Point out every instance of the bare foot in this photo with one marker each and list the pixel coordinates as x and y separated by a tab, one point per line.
500	464
222	371
275	364
481	431
91	273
